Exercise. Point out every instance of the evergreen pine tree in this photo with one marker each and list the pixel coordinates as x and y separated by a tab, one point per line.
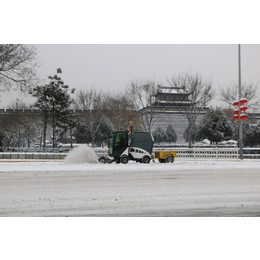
170	134
54	100
159	135
215	126
194	134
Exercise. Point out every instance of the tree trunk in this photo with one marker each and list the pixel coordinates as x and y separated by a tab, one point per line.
93	139
71	145
44	132
190	136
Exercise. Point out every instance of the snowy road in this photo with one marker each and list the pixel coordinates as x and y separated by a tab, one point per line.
184	188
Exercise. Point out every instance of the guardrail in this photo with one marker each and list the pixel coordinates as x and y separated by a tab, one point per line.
182	152
214	152
32	156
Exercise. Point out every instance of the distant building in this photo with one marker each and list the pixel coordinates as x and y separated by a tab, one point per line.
169	97
168	106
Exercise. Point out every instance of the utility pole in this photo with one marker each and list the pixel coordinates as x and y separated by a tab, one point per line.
240	96
53	127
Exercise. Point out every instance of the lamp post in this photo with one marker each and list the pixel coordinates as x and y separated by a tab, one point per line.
240	96
240	108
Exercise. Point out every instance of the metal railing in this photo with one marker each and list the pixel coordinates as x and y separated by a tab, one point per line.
182	152
207	152
32	156
195	152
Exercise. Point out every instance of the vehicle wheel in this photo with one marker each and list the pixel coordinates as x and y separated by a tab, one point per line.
124	159
102	159
161	160
169	158
146	159
110	161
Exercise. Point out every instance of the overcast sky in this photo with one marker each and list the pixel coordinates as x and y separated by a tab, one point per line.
136	25
111	67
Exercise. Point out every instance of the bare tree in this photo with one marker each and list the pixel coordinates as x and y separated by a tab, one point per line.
199	92
119	109
92	100
230	94
17	67
15	131
142	95
89	98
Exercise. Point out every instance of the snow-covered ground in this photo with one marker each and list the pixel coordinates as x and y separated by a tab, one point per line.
185	188
74	187
83	158
179	164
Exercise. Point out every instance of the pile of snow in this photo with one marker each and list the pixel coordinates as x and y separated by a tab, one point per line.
80	155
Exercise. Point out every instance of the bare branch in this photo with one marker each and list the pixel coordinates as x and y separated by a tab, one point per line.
141	94
17	66
230	94
199	93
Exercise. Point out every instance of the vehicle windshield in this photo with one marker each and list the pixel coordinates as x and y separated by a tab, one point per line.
121	139
118	143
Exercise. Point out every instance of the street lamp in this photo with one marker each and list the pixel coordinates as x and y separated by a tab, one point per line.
240	96
240	107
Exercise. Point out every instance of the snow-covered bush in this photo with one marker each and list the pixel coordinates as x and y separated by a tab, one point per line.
215	126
